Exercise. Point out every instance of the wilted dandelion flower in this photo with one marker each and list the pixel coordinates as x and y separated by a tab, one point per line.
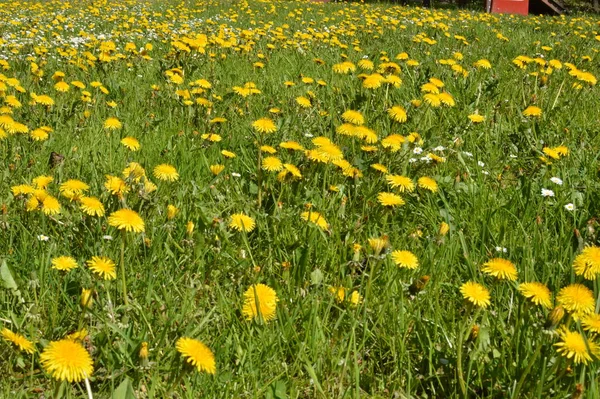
266	299
242	222
537	293
532	110
405	259
18	340
397	113
197	354
112	124
264	125
354	117
64	263
128	220
402	183
166	172
390	199
575	346
103	266
272	164
67	360
428	183
502	269
92	206
315	218
131	143
475	293
587	263
577	299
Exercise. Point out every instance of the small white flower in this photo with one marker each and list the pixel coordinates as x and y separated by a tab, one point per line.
42	237
439	148
412	160
308	135
547	193
417	150
107	238
501	249
469	154
480	164
485	172
512	156
570	207
556	180
235	174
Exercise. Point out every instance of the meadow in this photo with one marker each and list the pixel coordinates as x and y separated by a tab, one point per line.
286	199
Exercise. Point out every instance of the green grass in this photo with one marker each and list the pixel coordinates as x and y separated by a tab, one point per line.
390	345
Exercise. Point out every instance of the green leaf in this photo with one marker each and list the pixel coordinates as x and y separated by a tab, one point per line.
124	390
7	277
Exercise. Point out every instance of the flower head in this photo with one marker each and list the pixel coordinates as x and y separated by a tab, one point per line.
353	117
128	220
18	340
242	222
103	266
197	354
577	298
397	113
405	259
587	263
64	263
428	183
390	199
502	269
67	360
92	206
264	125
475	293
260	300
112	124
315	218
591	323
537	293
574	345
131	143
532	110
166	172
402	183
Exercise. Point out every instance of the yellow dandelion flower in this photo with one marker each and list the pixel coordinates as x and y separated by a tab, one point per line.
67	360
272	164
197	354
587	263
131	143
303	102
537	293
402	183
242	222
264	125
502	269
166	172
591	323
428	183
315	218
228	154
475	293
390	199
18	340
575	346
216	169
50	205
339	293
476	118
115	185
112	124
577	298
64	263
92	206
128	220
354	117
532	110
397	113
260	301
405	259
103	266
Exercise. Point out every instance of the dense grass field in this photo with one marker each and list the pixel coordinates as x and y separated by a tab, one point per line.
278	199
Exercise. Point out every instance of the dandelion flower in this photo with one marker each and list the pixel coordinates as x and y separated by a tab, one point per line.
264	125
402	183
577	298
67	360
64	263
428	183
18	340
242	222
166	172
397	113
103	266
574	346
115	185
591	323
537	293
587	263
266	299
131	143
502	269
339	293
112	124
476	118
50	205
390	199
216	169
92	206
354	117
475	293
197	354
532	110
405	259
355	298
315	218
272	164
303	102
127	219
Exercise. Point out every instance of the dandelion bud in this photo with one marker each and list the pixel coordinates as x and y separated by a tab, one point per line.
444	228
189	227
171	211
554	317
474	333
144	351
86	298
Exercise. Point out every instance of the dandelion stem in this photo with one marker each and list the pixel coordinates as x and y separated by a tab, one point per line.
88	388
123	278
